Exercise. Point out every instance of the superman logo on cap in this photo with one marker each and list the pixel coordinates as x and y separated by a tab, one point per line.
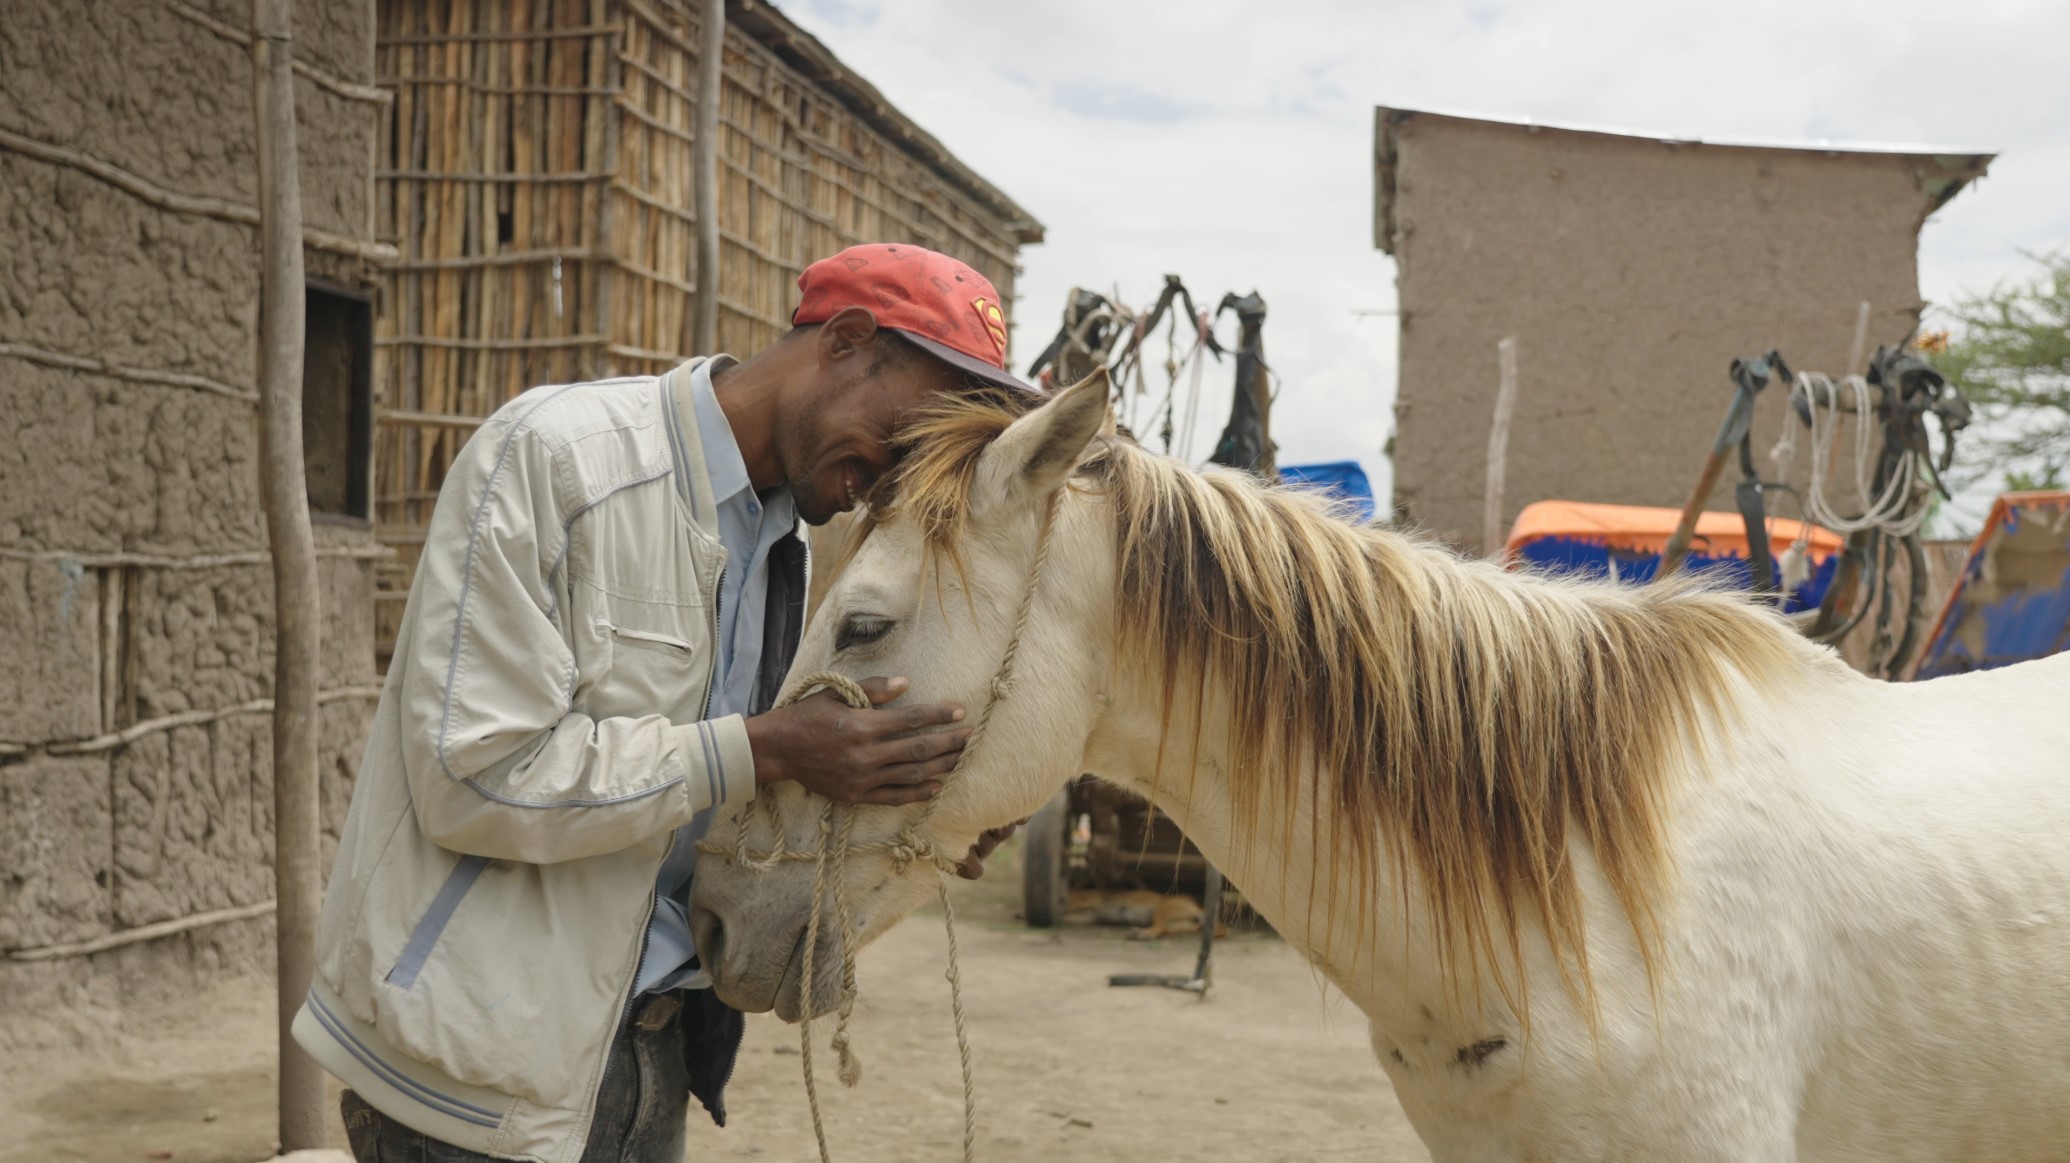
994	320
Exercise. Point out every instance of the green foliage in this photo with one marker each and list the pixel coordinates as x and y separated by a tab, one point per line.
2021	482
2011	355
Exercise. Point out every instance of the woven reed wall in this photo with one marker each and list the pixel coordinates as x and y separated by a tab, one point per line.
535	174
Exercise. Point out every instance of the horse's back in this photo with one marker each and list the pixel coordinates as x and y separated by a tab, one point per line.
1864	955
1941	927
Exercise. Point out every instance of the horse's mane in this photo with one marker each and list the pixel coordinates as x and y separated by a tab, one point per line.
1461	721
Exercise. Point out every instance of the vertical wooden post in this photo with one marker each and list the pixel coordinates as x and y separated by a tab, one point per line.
605	62
1493	535
297	881
711	65
1857	365
1860	350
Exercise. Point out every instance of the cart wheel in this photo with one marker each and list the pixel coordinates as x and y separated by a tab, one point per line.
1042	862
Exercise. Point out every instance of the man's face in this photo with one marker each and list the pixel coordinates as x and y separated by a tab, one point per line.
836	435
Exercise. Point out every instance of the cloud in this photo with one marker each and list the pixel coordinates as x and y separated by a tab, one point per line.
1230	142
1108	101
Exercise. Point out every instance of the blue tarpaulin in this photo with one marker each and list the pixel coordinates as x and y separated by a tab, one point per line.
1342	479
2012	602
1624	543
1577	556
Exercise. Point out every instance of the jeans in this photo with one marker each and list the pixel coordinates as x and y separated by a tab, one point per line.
641	1106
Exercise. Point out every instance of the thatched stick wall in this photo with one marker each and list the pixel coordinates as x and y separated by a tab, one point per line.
536	175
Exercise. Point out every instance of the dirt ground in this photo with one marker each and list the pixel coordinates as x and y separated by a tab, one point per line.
1271	1067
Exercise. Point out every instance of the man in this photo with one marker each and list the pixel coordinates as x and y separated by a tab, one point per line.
611	590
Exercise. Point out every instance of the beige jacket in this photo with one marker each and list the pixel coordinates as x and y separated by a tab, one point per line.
540	737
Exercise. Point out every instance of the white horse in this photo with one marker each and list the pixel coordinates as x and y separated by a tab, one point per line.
1615	873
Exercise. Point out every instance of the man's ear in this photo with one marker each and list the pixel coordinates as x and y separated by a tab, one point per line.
1037	452
846	332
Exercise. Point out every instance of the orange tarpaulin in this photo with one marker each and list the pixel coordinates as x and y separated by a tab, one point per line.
1642	529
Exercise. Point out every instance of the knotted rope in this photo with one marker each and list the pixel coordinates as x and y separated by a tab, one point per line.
836	843
1898	510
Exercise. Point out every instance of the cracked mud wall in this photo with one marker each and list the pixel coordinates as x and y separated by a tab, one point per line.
1632	272
110	489
135	83
175	823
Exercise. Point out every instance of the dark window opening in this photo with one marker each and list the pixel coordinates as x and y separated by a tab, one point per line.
338	401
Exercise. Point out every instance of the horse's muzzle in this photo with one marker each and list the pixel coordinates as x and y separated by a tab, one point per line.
749	980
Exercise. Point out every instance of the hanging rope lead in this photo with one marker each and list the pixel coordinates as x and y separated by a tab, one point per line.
1895	482
1898	508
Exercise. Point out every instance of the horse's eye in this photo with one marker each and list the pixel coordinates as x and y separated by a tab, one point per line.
860	630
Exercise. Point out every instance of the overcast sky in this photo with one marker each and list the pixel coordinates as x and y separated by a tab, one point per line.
1231	143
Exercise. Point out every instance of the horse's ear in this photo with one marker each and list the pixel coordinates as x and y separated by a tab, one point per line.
1110	424
1038	451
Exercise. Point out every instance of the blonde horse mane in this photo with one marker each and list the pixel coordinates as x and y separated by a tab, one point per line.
1463	723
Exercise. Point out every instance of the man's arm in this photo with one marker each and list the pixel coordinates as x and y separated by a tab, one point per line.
499	761
501	764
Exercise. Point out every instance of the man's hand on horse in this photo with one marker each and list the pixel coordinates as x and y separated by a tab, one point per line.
860	755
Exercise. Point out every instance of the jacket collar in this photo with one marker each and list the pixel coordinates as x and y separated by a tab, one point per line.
723	465
693	474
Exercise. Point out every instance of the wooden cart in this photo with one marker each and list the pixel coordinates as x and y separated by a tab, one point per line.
1094	835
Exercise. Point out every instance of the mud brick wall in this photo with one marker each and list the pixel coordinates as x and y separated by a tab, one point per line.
1632	271
134	582
145	86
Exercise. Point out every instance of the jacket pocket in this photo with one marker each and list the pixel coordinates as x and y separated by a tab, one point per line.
524	989
650	640
417	950
657	661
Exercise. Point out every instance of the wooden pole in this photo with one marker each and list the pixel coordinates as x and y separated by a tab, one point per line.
297	625
1748	377
1493	535
1677	549
1860	350
711	64
1841	593
1857	365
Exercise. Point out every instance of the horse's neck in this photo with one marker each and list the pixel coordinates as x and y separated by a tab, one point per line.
1352	932
1372	939
1357	918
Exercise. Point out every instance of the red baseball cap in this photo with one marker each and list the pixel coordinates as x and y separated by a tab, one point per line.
945	308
